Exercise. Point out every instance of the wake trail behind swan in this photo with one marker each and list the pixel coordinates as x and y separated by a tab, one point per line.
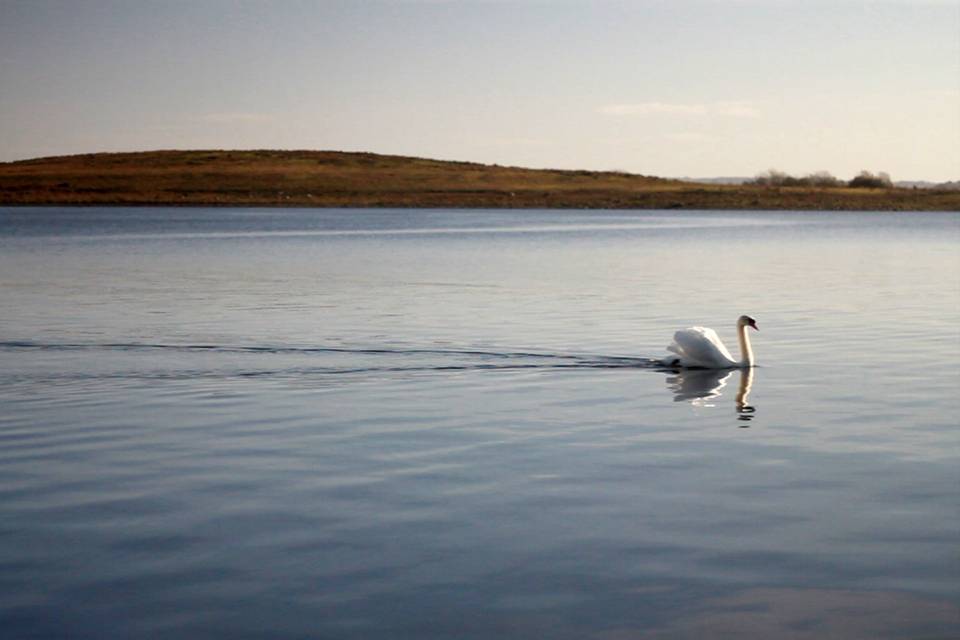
245	361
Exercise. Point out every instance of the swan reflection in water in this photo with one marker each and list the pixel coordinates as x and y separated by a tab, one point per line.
701	386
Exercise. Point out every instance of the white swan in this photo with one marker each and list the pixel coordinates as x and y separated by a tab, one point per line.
699	347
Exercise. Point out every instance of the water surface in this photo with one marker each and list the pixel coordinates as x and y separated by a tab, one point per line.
432	424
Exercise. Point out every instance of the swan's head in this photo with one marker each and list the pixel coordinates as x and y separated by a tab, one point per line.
747	321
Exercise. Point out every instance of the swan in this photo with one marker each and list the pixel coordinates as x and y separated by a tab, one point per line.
700	347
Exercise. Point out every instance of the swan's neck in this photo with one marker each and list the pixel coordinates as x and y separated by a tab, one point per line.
746	352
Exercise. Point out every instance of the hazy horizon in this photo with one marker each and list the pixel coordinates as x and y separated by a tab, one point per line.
697	89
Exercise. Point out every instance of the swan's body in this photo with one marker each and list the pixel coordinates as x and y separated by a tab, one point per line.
700	347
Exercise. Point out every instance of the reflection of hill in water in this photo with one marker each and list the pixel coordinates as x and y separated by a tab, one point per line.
812	614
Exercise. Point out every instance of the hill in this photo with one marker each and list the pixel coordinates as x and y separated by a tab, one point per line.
346	179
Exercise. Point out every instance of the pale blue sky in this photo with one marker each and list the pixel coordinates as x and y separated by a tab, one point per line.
676	88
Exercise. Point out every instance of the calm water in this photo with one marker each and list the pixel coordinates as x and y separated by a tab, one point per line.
242	423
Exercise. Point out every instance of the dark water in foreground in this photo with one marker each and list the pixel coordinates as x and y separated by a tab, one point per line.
242	423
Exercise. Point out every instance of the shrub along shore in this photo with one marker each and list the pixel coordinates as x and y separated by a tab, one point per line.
346	179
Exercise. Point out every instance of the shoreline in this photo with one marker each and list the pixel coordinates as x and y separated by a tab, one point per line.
221	205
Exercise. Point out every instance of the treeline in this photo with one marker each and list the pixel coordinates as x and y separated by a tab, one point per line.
864	179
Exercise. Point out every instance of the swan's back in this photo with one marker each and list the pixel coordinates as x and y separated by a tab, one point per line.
700	347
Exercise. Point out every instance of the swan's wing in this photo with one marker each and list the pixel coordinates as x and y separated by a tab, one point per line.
700	347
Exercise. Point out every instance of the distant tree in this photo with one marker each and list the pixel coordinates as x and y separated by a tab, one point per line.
775	178
823	179
867	180
772	178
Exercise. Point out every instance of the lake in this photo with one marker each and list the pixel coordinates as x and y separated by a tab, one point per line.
381	424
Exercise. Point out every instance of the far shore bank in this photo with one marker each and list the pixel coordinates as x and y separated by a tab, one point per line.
363	180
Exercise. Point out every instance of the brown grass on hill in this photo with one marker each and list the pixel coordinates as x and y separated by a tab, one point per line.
341	179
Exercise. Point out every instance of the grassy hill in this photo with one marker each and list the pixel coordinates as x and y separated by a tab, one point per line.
341	179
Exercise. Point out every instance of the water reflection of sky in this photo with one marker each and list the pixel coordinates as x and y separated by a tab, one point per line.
463	434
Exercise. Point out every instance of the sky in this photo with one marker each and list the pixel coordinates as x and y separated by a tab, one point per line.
667	88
